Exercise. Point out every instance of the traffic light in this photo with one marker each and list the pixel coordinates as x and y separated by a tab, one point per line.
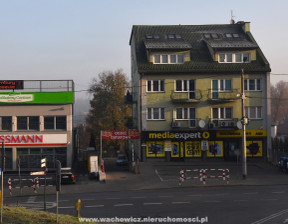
58	175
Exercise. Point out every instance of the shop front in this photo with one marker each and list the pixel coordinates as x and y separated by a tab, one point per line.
27	150
202	144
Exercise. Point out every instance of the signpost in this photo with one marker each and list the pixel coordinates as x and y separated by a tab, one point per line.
43	165
58	185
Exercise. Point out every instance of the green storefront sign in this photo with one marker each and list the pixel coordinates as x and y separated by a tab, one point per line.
36	97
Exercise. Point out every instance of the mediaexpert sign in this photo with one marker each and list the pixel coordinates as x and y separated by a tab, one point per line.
176	135
120	135
7	85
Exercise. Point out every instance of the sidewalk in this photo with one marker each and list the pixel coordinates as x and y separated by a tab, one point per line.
160	174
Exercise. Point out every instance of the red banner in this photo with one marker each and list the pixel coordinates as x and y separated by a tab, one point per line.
120	135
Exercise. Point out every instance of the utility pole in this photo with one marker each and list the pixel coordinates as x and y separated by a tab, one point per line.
2	178
244	123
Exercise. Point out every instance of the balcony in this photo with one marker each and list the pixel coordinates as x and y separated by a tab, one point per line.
217	96
220	124
186	124
186	97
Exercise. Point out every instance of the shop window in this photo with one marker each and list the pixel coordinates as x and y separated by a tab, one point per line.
6	123
31	158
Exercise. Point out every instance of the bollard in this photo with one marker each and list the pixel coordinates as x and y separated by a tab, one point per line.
78	207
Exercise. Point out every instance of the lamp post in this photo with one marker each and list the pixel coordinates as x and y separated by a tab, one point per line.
244	123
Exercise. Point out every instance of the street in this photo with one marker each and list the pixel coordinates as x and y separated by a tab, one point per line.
156	193
243	204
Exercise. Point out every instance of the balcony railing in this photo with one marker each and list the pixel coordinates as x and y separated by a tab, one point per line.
223	96
185	124
223	123
186	97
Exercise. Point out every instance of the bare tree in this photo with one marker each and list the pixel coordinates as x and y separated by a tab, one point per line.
279	101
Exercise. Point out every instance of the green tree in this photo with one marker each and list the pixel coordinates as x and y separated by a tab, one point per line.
108	110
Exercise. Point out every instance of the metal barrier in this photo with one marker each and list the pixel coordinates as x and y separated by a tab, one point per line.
225	175
184	177
30	183
202	175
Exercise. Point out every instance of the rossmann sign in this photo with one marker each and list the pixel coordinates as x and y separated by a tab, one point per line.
166	135
34	140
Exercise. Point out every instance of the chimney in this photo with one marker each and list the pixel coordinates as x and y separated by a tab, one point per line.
245	26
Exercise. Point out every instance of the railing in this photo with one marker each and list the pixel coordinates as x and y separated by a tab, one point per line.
204	174
220	123
189	123
45	86
189	96
220	96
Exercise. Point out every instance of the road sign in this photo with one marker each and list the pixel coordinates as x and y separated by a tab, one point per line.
37	173
43	162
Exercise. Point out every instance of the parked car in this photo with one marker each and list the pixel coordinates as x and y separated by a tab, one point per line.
122	160
67	177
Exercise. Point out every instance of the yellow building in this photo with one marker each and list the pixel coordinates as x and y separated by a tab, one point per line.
186	89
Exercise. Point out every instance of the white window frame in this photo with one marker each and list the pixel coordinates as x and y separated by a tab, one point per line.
183	81
184	118
161	112
234	57
224	113
161	83
248	85
257	109
180	59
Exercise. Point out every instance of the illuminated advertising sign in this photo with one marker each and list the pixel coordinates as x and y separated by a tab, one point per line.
8	85
120	135
173	135
34	139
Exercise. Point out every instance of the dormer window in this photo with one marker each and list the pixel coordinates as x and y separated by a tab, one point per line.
234	58
168	59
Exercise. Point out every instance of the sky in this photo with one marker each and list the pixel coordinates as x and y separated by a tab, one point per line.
78	39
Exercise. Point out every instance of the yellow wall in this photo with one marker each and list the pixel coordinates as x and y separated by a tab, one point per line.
203	108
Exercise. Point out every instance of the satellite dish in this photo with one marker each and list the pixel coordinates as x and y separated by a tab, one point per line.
201	124
239	125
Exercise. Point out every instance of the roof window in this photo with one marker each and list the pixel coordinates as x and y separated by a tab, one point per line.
211	35
150	36
232	35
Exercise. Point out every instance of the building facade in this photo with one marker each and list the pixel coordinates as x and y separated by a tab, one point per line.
186	90
36	122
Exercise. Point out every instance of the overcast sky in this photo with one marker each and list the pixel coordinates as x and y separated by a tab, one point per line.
78	39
